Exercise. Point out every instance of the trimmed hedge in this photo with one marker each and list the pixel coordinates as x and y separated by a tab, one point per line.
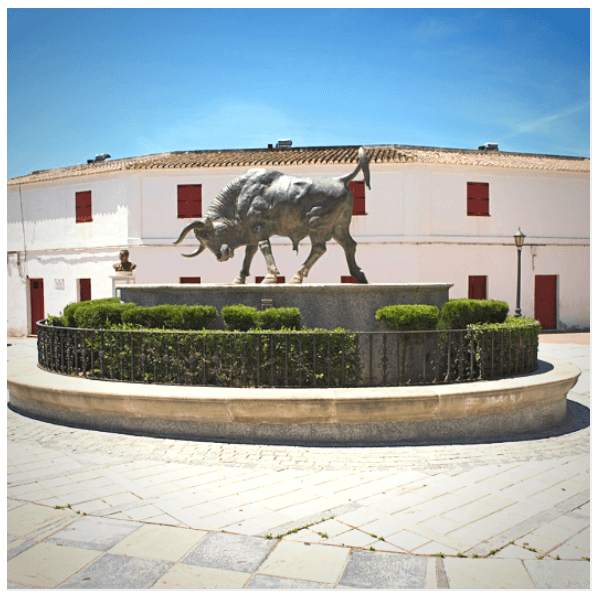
71	309
409	317
244	318
458	314
497	346
166	316
306	358
95	314
278	318
239	317
107	312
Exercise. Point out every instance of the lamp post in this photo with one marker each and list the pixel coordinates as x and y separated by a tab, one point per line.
519	239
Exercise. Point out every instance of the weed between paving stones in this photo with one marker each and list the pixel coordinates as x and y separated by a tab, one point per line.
69	506
282	535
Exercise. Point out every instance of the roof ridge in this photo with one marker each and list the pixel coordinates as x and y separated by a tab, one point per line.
314	155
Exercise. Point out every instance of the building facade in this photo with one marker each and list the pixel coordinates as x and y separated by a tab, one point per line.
432	215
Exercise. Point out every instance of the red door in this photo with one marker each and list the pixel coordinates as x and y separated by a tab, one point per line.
36	288
545	300
85	290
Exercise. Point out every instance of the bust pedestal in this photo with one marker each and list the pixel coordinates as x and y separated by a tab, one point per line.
121	278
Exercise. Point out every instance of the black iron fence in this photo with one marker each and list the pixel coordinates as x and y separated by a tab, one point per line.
288	359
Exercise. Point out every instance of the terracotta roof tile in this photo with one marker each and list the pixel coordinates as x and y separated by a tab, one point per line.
383	154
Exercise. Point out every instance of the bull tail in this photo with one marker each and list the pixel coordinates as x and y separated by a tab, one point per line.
363	165
187	229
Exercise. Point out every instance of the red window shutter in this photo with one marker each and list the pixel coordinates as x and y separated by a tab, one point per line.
478	199
348	279
83	207
85	290
190	280
189	201
358	192
477	287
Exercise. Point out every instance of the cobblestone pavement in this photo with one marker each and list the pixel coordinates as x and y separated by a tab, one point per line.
98	510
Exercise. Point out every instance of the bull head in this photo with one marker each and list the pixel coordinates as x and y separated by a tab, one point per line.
206	233
202	229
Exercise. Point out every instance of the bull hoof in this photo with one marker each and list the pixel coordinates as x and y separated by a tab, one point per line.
239	280
269	279
296	279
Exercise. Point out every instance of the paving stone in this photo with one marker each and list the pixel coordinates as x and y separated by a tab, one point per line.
47	566
384	571
112	571
189	577
559	575
12	503
309	562
581	540
355	538
266	582
29	518
159	543
94	533
470	573
230	552
407	540
514	551
568	552
17	549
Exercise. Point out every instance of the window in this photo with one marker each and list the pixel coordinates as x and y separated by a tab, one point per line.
189	201
348	279
190	280
83	207
358	191
477	287
280	279
478	199
85	289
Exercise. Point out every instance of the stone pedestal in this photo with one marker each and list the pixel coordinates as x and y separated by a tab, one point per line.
121	278
350	306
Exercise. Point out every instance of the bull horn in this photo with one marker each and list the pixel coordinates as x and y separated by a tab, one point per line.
188	228
196	252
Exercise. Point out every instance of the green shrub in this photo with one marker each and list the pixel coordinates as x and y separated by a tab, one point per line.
306	358
71	309
239	317
506	347
56	321
245	318
409	317
98	314
167	316
457	314
278	318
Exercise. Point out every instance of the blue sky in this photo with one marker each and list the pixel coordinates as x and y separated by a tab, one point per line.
82	82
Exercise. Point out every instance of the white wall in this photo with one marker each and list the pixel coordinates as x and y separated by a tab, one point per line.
416	230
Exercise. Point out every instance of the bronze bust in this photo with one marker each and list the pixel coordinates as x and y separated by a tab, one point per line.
124	265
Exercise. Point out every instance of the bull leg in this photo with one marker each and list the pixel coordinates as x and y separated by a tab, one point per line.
345	240
250	252
317	250
265	248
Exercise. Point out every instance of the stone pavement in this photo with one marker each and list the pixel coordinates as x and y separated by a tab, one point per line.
90	509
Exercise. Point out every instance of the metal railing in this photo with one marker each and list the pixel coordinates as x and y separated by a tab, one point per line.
300	359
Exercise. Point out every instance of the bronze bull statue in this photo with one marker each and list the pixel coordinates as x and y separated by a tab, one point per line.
262	203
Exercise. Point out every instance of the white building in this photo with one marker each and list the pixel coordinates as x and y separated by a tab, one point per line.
432	215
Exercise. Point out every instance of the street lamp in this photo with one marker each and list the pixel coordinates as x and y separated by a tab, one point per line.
519	239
